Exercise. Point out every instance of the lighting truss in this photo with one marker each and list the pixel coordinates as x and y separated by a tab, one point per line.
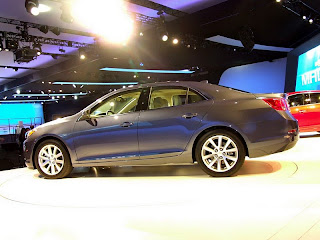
38	26
302	10
44	40
158	7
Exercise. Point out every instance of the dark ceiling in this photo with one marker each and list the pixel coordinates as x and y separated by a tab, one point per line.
271	24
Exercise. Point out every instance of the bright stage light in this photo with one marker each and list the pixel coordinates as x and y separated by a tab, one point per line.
107	18
165	37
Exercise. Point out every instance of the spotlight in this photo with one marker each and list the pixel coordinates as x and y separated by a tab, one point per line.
175	41
37	47
18	91
164	37
304	17
44	29
82	53
32	7
56	31
278	1
75	97
141	34
310	20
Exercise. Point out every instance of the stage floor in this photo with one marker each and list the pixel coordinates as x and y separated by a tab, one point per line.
274	197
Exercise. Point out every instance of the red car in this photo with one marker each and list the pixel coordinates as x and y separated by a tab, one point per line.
305	107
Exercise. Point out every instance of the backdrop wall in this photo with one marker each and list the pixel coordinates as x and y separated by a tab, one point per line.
263	77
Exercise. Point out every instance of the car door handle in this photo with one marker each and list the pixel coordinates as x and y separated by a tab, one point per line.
302	111
189	115
126	124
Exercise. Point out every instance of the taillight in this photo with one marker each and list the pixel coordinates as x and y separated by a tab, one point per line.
279	104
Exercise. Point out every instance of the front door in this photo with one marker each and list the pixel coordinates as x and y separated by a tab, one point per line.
110	132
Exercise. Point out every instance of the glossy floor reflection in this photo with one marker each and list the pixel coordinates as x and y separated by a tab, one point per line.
274	197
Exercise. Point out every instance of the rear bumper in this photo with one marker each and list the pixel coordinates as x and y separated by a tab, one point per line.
281	143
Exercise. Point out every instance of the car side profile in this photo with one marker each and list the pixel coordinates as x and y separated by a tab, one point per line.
165	123
305	107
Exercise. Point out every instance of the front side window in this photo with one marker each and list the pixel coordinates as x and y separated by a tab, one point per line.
167	97
295	100
119	104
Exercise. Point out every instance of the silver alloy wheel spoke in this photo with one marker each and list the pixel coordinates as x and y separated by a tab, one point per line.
51	159
208	149
223	157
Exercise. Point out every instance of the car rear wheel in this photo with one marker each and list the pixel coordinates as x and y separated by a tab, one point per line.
52	160
220	153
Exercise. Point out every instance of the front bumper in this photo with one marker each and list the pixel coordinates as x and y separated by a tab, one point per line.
28	147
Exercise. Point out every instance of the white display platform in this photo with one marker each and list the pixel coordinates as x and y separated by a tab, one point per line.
274	197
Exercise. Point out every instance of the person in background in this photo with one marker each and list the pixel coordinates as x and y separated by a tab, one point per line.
22	137
31	127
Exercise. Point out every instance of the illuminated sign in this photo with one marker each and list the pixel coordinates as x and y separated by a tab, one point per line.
308	73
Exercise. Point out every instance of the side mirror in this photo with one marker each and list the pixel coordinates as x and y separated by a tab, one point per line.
85	115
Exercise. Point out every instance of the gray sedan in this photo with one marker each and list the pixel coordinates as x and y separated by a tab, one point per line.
165	123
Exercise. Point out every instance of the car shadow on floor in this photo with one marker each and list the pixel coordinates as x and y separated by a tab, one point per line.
250	167
310	135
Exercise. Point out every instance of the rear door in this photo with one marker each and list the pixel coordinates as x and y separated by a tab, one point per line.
172	115
298	108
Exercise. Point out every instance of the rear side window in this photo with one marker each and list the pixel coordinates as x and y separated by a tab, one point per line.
167	97
314	98
194	97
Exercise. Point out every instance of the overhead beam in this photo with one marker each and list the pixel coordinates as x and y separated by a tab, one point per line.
158	7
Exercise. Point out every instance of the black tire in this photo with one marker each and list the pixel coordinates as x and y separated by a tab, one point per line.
58	166
222	163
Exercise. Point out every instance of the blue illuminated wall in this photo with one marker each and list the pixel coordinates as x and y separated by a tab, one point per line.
11	114
308	72
262	77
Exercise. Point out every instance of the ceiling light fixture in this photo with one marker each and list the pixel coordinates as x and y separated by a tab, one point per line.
56	31
164	37
82	53
175	41
37	47
44	29
32	7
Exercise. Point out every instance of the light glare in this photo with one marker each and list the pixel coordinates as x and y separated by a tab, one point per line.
43	8
107	18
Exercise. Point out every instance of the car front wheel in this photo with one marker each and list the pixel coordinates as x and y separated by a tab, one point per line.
220	153
52	160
